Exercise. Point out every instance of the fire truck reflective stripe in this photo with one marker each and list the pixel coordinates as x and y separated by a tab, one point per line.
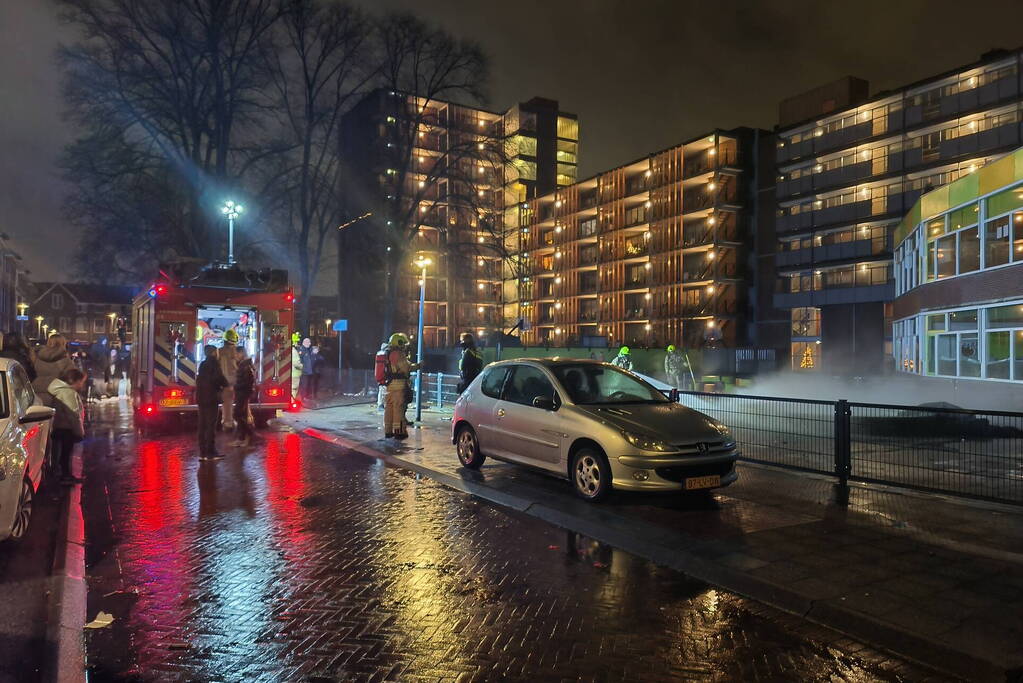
163	366
186	370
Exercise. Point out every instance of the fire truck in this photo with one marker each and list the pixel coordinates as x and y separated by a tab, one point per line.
190	306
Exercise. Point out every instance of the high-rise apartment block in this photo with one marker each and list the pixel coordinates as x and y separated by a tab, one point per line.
848	167
449	171
650	252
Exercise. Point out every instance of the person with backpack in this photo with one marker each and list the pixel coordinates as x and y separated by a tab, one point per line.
470	364
395	375
68	419
244	387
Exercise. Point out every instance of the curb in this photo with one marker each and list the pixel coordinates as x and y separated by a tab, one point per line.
665	551
67	605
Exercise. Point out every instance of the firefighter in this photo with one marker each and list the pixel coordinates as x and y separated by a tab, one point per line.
623	360
471	362
296	367
676	367
398	387
228	359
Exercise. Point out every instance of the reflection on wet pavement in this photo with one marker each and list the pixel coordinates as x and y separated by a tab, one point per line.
298	561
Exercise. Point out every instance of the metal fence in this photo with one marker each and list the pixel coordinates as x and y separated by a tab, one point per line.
978	454
439	389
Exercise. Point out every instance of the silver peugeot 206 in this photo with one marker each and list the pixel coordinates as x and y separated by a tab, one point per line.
592	423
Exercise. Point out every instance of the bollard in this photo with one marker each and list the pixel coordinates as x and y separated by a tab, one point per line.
843	446
440	392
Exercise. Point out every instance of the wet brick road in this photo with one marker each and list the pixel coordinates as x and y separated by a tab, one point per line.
296	561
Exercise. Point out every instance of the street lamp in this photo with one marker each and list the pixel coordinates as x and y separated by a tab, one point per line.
39	326
113	321
421	262
232	211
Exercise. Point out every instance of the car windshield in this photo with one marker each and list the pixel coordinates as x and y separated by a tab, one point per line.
593	384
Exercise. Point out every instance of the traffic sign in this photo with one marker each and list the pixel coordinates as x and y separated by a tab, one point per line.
21	318
340	325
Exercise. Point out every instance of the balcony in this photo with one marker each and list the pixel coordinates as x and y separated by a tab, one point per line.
843	295
636	313
588	257
636	248
844	251
589	316
706	163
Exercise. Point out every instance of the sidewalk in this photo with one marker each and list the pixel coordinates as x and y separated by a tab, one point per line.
929	578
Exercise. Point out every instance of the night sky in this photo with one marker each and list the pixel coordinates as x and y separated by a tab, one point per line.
641	75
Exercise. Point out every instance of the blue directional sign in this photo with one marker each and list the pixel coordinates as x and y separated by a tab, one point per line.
340	325
21	318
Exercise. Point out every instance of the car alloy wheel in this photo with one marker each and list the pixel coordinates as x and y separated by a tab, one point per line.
468	449
23	515
591	474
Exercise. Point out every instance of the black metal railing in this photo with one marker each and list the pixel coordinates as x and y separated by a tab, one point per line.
969	453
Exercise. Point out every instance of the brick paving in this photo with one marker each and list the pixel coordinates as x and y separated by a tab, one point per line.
927	566
298	561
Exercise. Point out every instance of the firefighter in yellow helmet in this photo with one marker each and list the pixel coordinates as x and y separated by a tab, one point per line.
623	360
228	359
399	388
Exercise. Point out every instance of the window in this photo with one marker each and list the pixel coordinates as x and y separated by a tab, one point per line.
21	388
65	325
81	325
806	322
493	380
998	351
947	354
588	227
969	355
527	145
568	128
996	242
528	383
969	250
964	217
56	301
1004	201
99	325
604	385
946	256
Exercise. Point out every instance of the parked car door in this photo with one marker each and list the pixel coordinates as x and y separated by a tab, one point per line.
33	435
532	435
482	407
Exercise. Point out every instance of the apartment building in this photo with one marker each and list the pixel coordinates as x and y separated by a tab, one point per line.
14	287
959	282
465	168
847	169
651	252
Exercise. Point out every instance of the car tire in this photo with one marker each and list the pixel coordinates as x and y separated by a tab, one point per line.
23	513
590	474
468	448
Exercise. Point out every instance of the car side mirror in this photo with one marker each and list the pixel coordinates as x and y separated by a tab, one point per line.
36	414
545	403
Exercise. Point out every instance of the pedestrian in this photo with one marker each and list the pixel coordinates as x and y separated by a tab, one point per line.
51	362
623	359
676	367
399	392
317	362
381	361
244	387
305	383
208	384
470	364
228	365
15	348
68	419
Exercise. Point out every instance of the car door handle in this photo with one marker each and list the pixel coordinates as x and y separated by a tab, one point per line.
500	412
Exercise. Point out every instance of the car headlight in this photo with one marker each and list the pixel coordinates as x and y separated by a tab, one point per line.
647	443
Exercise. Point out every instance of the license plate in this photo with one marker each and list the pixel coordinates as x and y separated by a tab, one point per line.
173	402
703	482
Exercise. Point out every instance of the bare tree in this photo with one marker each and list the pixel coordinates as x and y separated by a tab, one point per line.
422	66
322	65
174	87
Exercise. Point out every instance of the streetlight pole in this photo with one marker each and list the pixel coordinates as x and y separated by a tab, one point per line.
232	211
39	326
422	262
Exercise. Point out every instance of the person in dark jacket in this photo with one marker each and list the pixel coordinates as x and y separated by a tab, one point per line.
208	384
305	384
51	362
471	362
15	348
244	387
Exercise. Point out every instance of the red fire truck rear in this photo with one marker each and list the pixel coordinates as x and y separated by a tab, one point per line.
189	307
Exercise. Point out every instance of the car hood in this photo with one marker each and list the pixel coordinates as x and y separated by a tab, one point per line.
671	422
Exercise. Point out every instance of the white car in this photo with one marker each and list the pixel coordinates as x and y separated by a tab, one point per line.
24	443
594	424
